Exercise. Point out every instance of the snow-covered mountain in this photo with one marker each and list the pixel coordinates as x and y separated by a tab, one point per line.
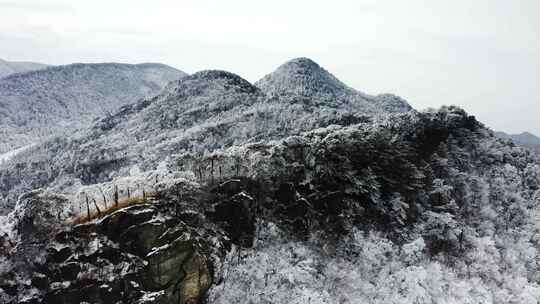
57	100
294	190
303	78
525	138
12	67
198	113
413	208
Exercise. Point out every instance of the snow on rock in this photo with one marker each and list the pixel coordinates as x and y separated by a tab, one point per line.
39	213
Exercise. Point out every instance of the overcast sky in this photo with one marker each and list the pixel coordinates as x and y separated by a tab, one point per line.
481	55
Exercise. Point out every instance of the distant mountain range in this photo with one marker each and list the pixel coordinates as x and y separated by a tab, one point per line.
12	67
40	104
525	139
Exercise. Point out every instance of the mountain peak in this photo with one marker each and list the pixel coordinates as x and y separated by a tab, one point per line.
304	78
302	62
301	76
224	79
524	138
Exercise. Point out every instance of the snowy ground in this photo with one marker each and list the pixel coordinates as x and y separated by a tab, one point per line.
8	155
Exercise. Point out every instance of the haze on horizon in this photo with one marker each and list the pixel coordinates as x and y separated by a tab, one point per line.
481	55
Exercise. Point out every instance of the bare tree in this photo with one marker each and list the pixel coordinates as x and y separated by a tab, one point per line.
116	195
87	208
104	198
97	207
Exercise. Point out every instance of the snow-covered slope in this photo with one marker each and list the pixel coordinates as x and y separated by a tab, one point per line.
303	78
12	67
416	208
4	157
198	113
525	139
237	195
57	100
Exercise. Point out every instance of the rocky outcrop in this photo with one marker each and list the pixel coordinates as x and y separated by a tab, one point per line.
129	255
237	217
39	214
37	217
138	254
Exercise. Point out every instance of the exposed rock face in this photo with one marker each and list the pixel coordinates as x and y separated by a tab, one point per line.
135	251
37	217
236	215
179	267
139	254
39	214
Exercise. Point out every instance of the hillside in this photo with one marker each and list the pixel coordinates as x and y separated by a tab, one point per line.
199	113
297	189
56	101
524	139
413	208
13	67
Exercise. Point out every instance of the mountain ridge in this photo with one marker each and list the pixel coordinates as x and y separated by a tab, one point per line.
203	111
13	67
302	73
60	99
522	138
525	139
